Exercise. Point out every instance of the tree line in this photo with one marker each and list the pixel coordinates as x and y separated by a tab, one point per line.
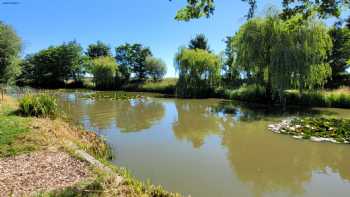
272	52
54	66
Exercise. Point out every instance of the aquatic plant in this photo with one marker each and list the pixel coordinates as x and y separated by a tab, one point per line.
316	128
114	96
40	105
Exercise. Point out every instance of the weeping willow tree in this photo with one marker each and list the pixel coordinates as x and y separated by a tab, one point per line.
104	70
199	72
281	55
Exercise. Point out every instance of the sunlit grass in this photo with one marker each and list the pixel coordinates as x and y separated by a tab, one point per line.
339	98
166	86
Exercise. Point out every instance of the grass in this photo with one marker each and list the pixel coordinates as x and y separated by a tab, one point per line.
12	128
41	105
251	93
105	184
166	86
339	98
27	134
334	99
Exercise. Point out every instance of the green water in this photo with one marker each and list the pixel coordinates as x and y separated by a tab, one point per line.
213	148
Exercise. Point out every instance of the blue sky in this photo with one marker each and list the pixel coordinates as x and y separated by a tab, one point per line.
42	23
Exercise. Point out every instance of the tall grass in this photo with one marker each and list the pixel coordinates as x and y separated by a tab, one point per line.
41	105
248	93
253	93
165	86
319	99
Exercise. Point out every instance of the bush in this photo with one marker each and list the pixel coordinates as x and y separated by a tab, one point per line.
249	93
41	105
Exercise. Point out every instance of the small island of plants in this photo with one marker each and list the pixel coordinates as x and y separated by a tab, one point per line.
319	129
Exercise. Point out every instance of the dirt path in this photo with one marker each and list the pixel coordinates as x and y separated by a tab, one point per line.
45	170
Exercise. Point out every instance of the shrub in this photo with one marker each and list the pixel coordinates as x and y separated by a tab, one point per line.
250	93
41	105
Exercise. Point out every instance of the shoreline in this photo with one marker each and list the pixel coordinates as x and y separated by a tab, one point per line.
40	137
323	99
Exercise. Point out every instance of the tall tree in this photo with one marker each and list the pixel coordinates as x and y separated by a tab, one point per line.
199	72
199	42
10	47
340	54
231	74
156	68
347	24
104	70
51	66
99	49
284	54
131	58
200	8
324	8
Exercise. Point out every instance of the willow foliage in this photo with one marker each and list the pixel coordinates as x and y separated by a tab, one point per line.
10	48
104	70
284	54
199	72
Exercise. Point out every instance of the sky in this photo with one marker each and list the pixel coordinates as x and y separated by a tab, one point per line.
42	23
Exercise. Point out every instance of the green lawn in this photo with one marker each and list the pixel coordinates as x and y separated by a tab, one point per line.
12	128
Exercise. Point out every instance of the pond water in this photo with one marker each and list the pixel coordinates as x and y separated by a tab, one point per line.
213	148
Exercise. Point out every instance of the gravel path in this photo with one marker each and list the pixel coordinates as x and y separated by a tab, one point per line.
46	170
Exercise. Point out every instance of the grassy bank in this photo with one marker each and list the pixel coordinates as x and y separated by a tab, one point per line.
166	86
339	98
336	98
317	129
19	135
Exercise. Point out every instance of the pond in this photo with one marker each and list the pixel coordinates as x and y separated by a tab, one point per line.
213	147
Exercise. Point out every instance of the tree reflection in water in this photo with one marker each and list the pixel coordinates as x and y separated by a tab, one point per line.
265	161
138	114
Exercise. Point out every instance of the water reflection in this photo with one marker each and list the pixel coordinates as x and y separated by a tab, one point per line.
137	115
266	162
255	112
216	140
132	115
270	163
195	121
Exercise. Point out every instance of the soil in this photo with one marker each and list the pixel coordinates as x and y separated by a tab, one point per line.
26	174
